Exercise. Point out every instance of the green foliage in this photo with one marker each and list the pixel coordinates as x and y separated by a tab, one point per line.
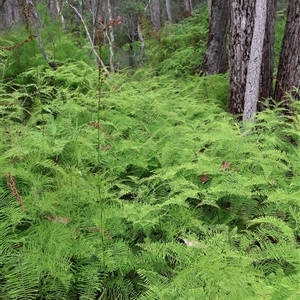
25	52
23	56
133	7
180	47
142	187
164	198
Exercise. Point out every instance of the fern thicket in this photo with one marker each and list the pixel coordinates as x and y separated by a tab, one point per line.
151	191
190	209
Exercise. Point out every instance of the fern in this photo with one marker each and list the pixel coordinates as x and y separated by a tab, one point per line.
153	194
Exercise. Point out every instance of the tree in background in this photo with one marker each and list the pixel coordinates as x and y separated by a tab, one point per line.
10	13
215	59
155	14
55	7
288	76
133	12
111	38
168	10
187	5
123	45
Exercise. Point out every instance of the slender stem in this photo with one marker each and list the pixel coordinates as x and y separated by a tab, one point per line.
100	197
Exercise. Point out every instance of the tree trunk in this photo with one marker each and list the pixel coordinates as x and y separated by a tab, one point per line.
254	66
215	60
143	45
155	14
209	7
241	28
11	14
267	67
52	8
55	8
187	6
168	9
288	76
111	39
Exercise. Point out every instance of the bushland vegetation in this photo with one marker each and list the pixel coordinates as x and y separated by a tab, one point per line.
141	185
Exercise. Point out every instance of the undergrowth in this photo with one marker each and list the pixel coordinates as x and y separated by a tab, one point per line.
191	208
152	193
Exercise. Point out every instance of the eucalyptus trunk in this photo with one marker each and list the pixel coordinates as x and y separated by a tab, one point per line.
111	39
215	60
267	67
168	9
143	44
241	31
187	5
254	66
11	14
155	14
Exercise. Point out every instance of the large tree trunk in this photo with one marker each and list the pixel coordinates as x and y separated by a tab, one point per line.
241	29
187	5
10	13
241	32
254	66
168	9
215	60
288	75
267	67
155	14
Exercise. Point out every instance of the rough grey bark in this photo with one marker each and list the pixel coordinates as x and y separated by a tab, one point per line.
168	10
10	14
288	76
52	8
187	5
155	14
254	66
111	39
241	30
215	59
267	67
143	44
